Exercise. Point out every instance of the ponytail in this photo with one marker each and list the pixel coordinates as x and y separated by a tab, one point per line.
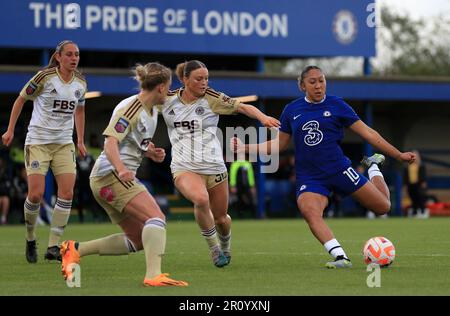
184	69
59	48
151	75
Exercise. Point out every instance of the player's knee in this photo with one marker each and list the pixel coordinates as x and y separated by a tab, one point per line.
201	201
310	212
65	195
35	197
222	219
382	207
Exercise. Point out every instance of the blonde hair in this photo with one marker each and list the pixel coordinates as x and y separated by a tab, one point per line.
59	48
150	75
184	69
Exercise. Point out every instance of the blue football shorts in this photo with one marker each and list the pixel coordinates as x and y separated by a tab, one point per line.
344	183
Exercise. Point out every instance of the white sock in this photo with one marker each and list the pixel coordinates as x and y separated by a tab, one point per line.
211	238
31	214
154	243
225	241
374	171
60	217
334	248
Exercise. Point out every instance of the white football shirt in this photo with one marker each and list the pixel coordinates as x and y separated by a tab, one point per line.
54	103
192	130
133	125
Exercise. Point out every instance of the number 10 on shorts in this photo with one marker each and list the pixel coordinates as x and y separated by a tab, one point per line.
352	175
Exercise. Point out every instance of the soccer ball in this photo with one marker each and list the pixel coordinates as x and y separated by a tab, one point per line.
379	250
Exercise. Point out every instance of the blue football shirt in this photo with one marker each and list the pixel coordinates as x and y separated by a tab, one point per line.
317	130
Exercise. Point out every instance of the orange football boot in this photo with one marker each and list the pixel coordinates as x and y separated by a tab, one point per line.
69	255
163	280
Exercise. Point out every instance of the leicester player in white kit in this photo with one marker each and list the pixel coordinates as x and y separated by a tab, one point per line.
115	187
57	93
191	114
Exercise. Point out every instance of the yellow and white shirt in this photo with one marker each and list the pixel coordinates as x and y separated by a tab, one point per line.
192	130
133	125
54	103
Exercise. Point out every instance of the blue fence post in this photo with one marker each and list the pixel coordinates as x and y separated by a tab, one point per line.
368	110
368	114
45	57
261	208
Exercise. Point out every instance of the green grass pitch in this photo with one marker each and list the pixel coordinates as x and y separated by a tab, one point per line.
270	257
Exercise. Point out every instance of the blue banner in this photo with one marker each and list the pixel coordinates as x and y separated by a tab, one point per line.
287	28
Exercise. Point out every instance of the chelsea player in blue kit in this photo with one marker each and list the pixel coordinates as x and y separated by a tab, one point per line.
316	124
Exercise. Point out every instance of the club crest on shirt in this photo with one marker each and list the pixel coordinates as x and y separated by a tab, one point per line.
200	110
30	89
34	164
121	125
77	94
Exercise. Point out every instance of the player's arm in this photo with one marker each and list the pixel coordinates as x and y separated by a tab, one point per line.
118	128
112	153
29	92
253	112
276	145
8	136
220	103
375	139
79	124
154	153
